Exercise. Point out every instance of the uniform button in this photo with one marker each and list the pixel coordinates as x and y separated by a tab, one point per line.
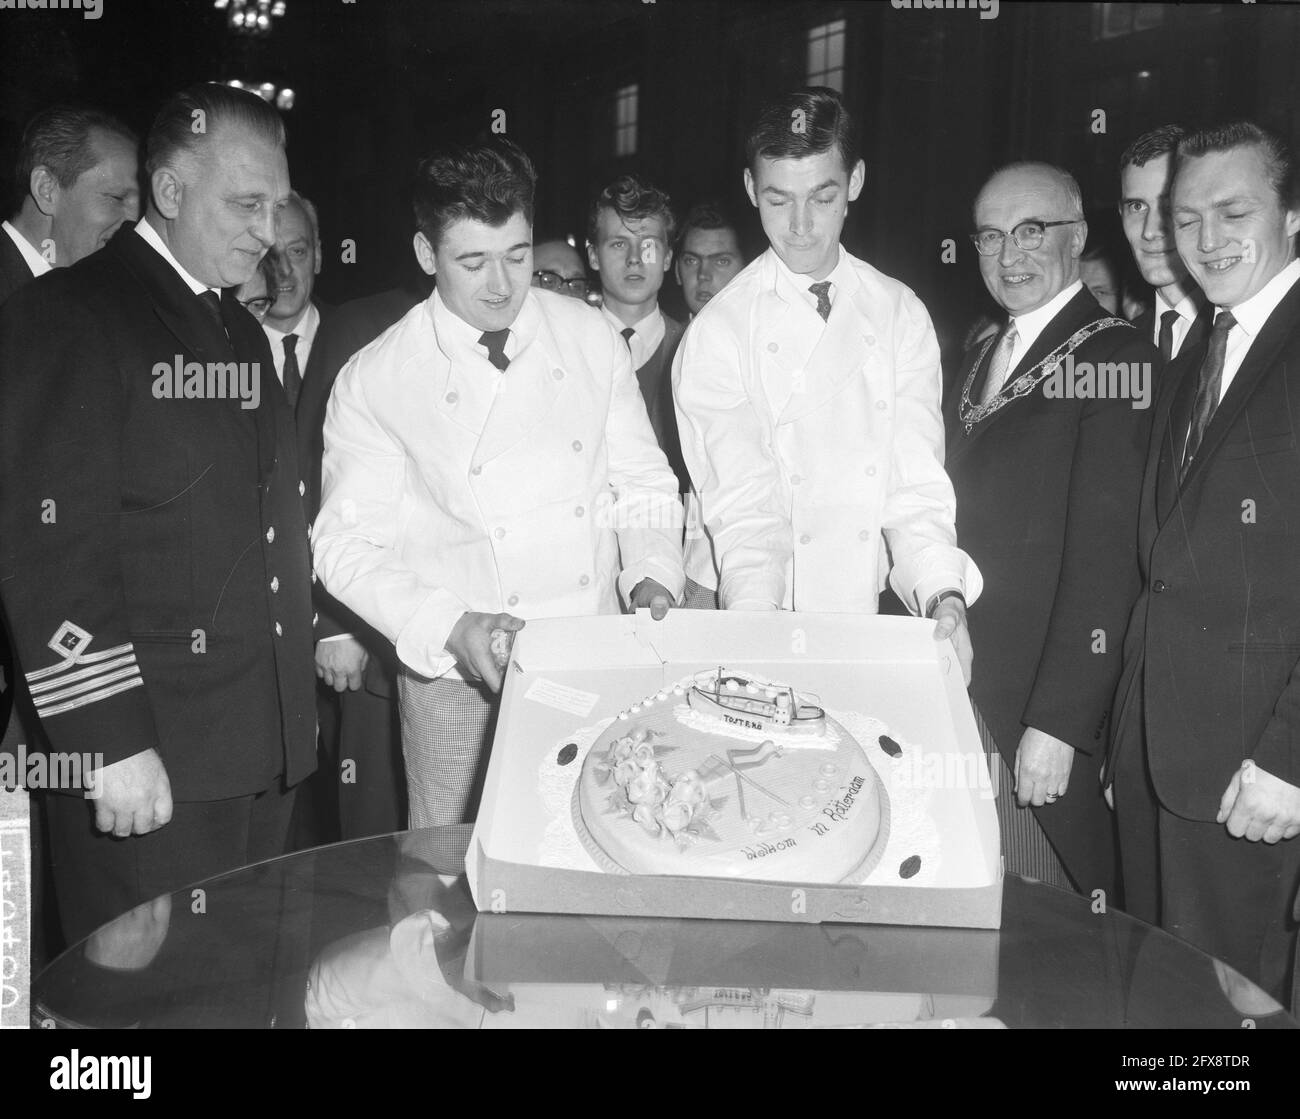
881	405
313	578
275	584
279	630
452	397
864	535
513	600
795	479
772	347
315	618
871	471
1159	586
578	512
869	339
805	539
302	487
500	534
477	471
270	535
583	580
558	374
577	444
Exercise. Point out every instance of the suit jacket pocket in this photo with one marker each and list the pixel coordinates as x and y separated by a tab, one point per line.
1290	647
1259	446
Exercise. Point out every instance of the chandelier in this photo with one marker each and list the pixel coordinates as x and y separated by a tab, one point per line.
281	98
251	17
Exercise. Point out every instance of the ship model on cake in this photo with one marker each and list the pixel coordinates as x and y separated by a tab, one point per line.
760	707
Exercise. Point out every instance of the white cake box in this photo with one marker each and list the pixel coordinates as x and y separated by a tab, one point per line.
579	673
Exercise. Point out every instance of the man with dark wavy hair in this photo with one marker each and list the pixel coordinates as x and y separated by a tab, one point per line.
487	459
808	396
629	245
1205	760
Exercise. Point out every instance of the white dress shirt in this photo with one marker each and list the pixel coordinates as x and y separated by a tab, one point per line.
1187	311
153	240
37	263
1032	323
648	334
306	329
1251	316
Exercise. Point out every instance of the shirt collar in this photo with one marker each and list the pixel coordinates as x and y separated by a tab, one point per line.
452	329
649	328
839	276
37	263
1032	323
305	330
1186	307
151	238
1253	313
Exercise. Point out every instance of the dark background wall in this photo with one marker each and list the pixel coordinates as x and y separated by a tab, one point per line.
943	96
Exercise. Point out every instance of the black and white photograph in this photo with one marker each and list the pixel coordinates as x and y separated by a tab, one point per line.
684	514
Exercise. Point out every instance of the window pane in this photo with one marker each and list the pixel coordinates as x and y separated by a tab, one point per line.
835	49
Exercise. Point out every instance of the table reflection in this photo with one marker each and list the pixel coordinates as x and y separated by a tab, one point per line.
383	933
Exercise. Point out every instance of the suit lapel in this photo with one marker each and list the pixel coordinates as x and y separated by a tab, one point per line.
1170	423
1260	358
1078	312
173	302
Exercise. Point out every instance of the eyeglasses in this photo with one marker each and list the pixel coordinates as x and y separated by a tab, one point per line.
258	305
553	281
1028	235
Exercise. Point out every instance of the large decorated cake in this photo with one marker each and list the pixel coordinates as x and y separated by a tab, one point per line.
726	774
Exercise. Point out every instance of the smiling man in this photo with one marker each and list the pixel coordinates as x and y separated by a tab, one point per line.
154	565
1206	761
78	181
293	317
487	459
1047	489
808	400
1179	316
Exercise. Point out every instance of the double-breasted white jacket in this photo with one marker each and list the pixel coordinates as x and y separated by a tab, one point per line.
449	487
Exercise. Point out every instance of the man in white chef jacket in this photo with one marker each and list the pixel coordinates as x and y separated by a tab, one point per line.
808	399
487	459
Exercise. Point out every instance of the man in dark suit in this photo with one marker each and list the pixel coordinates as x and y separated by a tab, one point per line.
1179	319
1046	438
708	254
629	242
1206	761
76	182
155	562
362	764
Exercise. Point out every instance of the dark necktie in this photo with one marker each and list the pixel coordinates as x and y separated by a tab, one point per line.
495	342
627	333
822	291
292	375
1207	386
1167	321
212	305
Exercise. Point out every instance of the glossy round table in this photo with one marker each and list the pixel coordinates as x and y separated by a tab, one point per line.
383	933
